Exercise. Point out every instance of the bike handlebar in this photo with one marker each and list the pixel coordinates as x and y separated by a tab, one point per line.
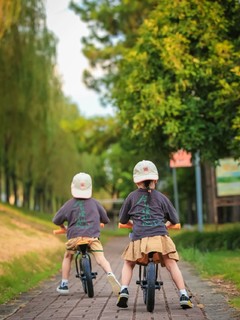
129	225
64	230
60	231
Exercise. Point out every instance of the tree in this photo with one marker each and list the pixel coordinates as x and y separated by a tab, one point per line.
35	149
113	25
9	13
174	75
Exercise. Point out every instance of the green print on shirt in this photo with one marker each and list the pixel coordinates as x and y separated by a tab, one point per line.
81	220
146	222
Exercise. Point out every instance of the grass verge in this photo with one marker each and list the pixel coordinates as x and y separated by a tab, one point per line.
222	267
24	270
24	273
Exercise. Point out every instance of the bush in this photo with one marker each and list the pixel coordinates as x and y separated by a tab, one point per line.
209	241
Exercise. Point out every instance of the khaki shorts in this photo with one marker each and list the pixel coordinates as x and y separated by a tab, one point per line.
95	246
137	251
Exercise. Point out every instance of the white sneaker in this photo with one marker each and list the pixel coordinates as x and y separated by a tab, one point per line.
116	287
63	289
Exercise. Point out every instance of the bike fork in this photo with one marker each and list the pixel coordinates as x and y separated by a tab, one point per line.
79	273
143	281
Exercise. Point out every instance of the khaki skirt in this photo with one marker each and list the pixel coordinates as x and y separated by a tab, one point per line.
95	246
137	251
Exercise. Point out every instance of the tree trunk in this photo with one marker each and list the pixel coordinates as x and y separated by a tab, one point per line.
27	194
15	188
210	193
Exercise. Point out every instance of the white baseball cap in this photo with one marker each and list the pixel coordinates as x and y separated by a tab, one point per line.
145	170
81	186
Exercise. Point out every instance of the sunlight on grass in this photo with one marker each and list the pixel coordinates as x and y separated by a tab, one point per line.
225	263
235	302
24	273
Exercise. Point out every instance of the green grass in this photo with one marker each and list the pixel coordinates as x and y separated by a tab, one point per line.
235	302
222	264
24	273
215	253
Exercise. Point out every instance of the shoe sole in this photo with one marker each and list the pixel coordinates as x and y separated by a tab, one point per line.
63	291
116	287
122	302
186	305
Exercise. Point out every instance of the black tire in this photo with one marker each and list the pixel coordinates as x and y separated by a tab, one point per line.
86	268
145	289
81	275
150	289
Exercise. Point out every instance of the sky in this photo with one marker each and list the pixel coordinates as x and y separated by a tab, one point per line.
69	29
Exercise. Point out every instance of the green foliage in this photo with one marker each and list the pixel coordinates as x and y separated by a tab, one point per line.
214	264
177	81
35	149
210	241
173	74
214	254
9	12
24	273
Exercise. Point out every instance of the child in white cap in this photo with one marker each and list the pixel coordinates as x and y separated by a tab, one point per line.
151	212
83	215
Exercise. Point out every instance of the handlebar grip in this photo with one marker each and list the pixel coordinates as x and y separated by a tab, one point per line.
59	231
175	226
128	225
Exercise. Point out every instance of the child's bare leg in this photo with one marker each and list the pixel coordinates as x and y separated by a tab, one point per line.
127	272
177	277
175	272
66	265
103	262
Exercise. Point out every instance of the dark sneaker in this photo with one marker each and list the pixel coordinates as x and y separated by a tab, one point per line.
123	299
185	302
63	289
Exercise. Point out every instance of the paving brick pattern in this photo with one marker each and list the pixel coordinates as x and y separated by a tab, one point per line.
45	303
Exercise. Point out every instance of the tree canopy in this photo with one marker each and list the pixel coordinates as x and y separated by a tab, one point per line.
9	13
34	147
173	74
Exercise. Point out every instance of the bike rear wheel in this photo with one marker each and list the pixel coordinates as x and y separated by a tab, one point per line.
87	277
149	294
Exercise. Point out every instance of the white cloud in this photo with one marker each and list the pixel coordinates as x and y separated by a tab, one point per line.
68	28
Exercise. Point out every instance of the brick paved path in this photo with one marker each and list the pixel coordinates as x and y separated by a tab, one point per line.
45	303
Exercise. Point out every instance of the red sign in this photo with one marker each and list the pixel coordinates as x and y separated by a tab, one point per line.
181	159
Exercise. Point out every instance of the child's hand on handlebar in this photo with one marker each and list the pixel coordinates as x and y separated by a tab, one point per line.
169	225
127	225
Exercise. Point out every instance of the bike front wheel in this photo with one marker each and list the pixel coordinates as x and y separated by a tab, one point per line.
87	270
149	295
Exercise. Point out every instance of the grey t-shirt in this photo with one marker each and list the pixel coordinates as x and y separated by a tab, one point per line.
83	217
149	212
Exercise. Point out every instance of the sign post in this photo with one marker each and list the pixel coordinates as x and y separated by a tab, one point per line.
175	190
179	159
199	191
